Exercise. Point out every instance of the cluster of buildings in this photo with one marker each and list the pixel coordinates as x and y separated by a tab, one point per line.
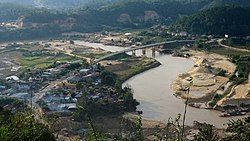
84	83
70	82
32	81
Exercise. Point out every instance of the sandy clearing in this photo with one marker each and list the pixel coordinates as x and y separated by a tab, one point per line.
203	74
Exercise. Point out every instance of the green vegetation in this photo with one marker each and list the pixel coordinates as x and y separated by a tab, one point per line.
223	51
29	33
19	125
92	55
41	62
234	21
23	127
215	99
131	66
238	42
108	78
11	12
206	133
218	49
118	14
238	130
111	16
243	68
119	56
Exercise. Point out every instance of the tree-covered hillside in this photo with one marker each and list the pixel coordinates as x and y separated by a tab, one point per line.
218	3
131	13
11	12
100	15
219	21
57	4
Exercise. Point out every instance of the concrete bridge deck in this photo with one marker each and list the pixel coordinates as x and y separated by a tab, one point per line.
142	47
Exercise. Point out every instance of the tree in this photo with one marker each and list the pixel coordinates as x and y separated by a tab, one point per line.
108	78
24	127
206	133
239	129
71	42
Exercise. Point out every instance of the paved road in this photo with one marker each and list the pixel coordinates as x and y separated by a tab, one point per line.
143	47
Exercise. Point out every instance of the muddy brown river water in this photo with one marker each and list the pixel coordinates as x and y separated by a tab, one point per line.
152	89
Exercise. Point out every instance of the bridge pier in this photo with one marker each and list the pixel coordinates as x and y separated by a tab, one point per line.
153	52
133	53
144	52
162	44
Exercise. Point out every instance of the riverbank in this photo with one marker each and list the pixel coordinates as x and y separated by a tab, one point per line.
208	81
127	68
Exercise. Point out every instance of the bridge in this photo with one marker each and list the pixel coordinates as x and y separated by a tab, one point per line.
142	47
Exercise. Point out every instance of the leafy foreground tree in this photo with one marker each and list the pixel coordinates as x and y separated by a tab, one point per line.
206	133
238	130
23	127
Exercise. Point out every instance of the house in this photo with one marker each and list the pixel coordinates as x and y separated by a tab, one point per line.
2	87
23	87
183	33
85	71
127	34
98	80
63	66
74	79
67	85
69	99
47	75
70	106
12	78
36	71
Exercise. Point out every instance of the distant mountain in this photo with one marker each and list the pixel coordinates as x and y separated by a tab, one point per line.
58	4
19	2
129	13
230	20
99	14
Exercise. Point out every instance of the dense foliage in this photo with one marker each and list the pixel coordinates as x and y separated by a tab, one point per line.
218	21
24	127
112	15
218	3
17	125
134	9
237	130
11	12
238	42
242	70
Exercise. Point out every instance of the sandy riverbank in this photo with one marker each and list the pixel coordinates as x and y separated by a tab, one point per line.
205	79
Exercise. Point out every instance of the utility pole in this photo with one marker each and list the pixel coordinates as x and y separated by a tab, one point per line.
186	104
31	95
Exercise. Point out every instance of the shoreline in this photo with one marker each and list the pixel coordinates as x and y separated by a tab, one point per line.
151	66
206	83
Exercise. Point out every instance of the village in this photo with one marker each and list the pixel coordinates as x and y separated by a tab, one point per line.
69	81
59	76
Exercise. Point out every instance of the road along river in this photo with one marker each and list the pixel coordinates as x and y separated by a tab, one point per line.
152	89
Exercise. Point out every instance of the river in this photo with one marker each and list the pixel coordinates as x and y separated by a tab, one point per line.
152	89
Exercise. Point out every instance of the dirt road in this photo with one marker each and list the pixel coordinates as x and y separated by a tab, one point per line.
231	48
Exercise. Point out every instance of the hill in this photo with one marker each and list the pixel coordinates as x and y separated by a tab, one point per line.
19	2
131	13
11	12
100	15
219	3
217	21
57	4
